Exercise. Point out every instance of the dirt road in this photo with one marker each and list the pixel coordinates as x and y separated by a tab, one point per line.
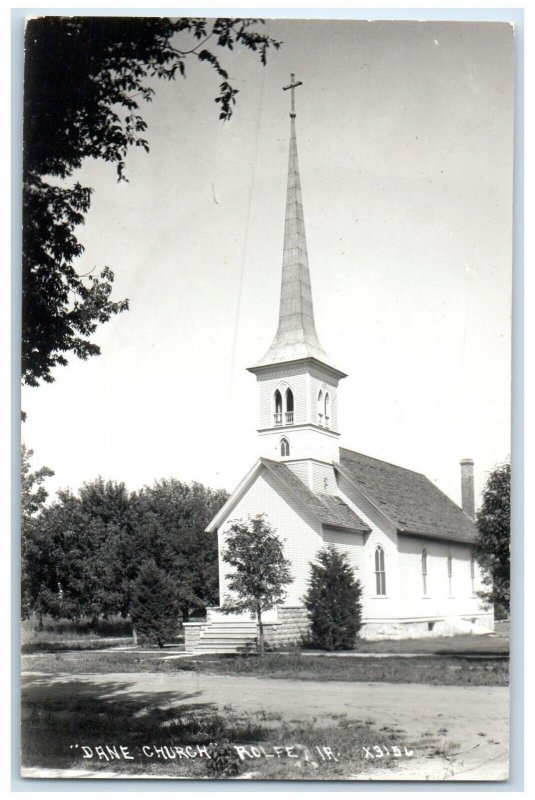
471	720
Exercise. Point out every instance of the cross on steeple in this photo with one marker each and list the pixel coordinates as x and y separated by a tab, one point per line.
298	382
296	337
292	85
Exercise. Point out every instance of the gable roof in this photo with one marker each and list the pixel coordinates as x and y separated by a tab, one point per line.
328	509
409	499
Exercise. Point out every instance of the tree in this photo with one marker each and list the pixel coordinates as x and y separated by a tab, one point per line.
493	550
106	505
33	493
260	570
65	565
333	601
154	607
167	521
83	552
107	501
33	498
84	80
70	564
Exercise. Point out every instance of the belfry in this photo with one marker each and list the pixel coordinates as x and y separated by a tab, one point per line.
409	544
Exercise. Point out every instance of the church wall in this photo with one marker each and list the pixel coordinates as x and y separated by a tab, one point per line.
302	533
438	602
404	611
300	469
373	606
323	478
317	475
350	543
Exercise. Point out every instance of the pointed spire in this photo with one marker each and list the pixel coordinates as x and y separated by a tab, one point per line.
296	335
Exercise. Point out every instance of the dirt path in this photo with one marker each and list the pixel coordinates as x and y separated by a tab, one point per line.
471	720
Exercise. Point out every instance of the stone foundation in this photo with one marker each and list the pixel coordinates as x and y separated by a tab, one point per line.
422	628
192	634
292	627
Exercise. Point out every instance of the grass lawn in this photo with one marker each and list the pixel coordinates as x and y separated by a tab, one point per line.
65	635
70	645
64	629
440	670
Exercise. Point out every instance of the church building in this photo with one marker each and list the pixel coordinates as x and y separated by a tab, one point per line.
410	544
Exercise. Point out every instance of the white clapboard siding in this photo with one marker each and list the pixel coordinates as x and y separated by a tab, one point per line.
291	521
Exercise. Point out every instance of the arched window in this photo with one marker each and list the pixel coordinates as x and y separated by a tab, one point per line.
285	448
450	571
327	410
289	407
277	408
424	570
380	576
473	573
321	408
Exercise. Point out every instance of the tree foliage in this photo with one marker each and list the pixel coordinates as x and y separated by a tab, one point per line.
333	601
83	552
33	493
260	572
168	520
33	498
493	549
154	606
65	568
85	78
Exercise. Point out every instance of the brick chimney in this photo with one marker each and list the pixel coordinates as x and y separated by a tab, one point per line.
467	487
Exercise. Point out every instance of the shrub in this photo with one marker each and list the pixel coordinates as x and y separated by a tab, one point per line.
224	760
154	605
333	601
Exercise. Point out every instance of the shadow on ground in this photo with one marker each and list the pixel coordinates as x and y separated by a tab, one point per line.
56	723
63	714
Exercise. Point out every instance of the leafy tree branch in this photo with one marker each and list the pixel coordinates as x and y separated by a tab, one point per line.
85	78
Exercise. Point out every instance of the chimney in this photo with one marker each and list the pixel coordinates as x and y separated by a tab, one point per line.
467	487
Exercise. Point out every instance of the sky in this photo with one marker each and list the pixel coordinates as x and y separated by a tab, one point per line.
404	134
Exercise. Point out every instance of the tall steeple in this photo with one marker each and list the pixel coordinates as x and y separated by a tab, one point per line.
296	335
298	384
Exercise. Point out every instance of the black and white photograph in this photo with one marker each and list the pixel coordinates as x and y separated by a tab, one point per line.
266	398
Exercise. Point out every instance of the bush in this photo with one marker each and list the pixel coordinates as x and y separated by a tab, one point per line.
154	608
333	601
224	760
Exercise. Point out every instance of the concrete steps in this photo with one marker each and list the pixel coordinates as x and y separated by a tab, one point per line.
226	637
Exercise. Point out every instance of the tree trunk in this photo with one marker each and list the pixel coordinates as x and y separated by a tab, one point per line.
260	632
134	635
40	620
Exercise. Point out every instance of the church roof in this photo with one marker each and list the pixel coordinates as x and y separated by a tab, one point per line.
409	499
296	336
328	509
